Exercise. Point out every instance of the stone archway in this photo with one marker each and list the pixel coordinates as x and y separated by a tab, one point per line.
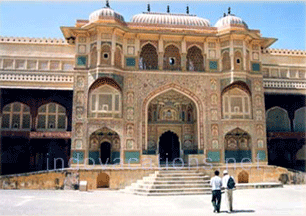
198	108
103	180
237	146
175	112
104	146
243	177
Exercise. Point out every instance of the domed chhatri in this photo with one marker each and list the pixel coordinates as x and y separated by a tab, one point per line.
230	20
170	19
105	13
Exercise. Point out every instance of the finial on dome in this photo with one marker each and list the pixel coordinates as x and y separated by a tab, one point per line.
168	9
187	9
107	3
149	8
229	10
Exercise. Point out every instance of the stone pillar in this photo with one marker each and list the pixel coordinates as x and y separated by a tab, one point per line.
244	54
183	61
113	49
160	60
79	137
34	115
160	54
206	64
232	54
98	50
183	55
137	52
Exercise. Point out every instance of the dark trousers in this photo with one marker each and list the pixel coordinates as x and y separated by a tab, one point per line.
216	199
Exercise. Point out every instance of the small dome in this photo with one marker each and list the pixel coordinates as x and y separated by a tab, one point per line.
170	19
105	13
230	20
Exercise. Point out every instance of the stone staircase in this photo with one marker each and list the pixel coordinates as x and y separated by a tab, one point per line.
171	182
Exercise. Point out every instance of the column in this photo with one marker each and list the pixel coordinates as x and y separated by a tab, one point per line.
113	49
124	51
232	54
206	64
98	49
183	55
218	55
183	61
137	52
244	56
160	54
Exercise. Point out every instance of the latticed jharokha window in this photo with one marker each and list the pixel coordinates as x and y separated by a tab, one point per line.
195	61
16	116
105	101
236	104
51	116
226	61
93	61
172	58
148	58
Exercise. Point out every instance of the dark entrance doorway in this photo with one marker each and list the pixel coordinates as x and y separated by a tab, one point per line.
105	152
169	146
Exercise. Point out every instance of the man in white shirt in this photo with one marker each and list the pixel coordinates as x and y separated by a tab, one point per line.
228	189
216	184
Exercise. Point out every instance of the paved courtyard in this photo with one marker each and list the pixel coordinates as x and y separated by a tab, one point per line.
279	201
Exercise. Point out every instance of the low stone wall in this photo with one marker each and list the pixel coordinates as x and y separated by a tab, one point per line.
120	177
37	180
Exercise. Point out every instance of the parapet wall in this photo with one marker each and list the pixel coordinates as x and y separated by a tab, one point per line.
120	177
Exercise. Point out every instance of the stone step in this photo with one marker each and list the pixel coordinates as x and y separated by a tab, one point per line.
171	194
179	178
176	186
171	190
175	182
179	174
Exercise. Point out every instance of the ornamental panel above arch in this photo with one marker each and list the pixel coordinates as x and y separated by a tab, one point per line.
179	89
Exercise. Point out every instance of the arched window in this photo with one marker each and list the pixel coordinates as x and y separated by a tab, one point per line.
226	61
118	57
105	101
93	57
195	60
278	120
148	58
16	116
105	58
172	58
236	104
238	61
299	121
51	116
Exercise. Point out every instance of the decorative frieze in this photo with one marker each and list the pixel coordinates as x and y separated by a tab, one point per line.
36	77
283	84
32	40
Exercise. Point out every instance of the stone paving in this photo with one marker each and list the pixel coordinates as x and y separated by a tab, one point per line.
290	200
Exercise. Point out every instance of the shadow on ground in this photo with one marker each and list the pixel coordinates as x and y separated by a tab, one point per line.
239	211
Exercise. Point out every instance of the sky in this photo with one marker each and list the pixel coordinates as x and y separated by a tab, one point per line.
282	20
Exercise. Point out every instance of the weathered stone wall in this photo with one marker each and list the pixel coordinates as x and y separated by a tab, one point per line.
120	177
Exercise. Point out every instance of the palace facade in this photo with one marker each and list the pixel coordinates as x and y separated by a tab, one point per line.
162	87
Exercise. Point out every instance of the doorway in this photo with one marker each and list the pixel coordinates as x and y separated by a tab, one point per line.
105	154
169	146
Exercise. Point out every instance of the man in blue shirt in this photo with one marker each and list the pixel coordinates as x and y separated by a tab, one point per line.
216	184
